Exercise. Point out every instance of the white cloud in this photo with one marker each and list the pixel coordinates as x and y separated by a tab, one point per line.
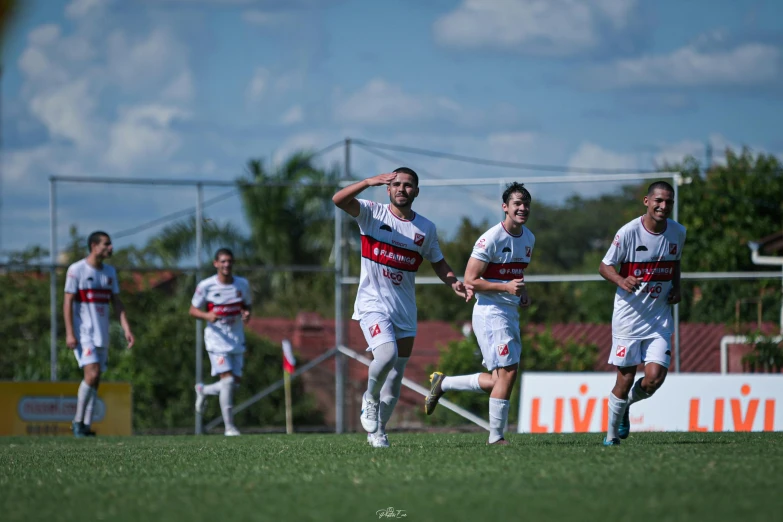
382	102
147	62
143	134
293	115
748	64
67	112
257	85
592	156
81	8
539	27
181	88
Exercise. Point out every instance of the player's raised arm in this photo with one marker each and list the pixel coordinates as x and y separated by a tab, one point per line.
345	198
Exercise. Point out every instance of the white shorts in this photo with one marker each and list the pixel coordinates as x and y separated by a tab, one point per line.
90	354
378	329
632	352
497	331
226	362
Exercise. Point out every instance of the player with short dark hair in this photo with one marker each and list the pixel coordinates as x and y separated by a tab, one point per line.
90	285
228	301
395	241
647	252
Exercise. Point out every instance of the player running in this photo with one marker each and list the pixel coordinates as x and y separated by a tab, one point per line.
647	251
228	301
496	272
395	241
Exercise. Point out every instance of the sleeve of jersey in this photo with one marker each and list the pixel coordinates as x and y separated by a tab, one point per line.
115	284
72	280
616	252
247	295
366	210
682	243
200	296
433	254
482	249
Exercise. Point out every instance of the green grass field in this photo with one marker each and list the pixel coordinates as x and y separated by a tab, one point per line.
434	477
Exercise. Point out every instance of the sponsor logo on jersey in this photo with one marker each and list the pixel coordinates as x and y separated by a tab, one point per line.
528	251
418	239
394	277
482	243
403	245
616	241
387	228
506	249
620	352
673	249
375	330
221	361
504	271
641	248
650	271
502	349
390	255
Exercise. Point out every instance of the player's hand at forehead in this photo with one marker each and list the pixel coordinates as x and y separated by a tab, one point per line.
381	179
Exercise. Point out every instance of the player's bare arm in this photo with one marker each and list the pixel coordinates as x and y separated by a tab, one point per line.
629	284
246	311
476	269
446	274
119	308
674	294
200	314
345	198
70	338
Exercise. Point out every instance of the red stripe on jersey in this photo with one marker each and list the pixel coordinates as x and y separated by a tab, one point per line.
225	310
390	255
650	271
97	295
504	271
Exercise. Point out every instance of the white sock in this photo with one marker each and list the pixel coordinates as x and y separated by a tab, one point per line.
82	396
637	393
498	415
89	406
461	383
390	393
212	389
616	411
384	357
227	401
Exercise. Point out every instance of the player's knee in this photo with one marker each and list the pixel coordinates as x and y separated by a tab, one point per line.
92	375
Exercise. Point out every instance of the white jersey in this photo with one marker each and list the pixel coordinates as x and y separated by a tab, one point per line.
93	289
392	251
653	259
506	256
227	334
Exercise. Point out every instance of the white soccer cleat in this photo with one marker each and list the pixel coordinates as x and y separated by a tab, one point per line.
379	440
369	415
201	399
232	432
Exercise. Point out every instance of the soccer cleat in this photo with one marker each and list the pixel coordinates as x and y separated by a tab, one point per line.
613	442
201	399
88	432
499	442
369	416
232	431
436	392
379	440
78	429
624	428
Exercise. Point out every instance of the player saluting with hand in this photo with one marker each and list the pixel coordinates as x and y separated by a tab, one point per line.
395	241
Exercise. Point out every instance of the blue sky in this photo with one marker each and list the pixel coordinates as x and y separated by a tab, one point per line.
192	89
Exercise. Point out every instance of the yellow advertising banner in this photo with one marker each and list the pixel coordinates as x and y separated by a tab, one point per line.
47	408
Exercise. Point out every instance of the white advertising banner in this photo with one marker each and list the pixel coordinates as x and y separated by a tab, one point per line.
577	403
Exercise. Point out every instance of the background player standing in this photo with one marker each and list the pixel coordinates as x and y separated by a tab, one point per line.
90	285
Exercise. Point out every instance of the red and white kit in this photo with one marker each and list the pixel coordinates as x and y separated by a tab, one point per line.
392	251
225	338
496	314
93	289
642	320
